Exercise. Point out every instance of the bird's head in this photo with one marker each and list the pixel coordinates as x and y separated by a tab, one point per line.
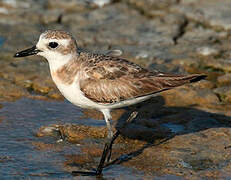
53	45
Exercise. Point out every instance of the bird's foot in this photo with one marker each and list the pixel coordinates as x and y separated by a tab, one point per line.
98	171
86	173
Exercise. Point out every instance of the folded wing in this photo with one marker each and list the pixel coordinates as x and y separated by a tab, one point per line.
115	80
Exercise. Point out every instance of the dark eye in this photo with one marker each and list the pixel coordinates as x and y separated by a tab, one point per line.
53	44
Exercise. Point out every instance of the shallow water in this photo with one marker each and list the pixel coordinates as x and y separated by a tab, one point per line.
20	121
2	40
175	128
19	156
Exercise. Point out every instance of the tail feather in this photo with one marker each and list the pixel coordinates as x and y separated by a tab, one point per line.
197	77
190	78
171	81
163	82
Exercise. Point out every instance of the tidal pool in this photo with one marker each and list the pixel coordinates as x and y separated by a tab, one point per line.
20	158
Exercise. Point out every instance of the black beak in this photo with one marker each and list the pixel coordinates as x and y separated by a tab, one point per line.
27	52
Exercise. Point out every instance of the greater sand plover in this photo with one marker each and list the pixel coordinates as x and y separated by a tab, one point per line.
99	81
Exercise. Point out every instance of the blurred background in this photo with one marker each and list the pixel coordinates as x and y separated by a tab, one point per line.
175	36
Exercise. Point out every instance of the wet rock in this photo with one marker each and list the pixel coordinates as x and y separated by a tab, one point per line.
67	6
46	147
206	84
13	92
17	4
198	39
224	80
101	3
4	159
40	89
55	94
228	97
20	11
224	93
24	79
76	159
78	133
52	16
73	133
92	150
206	51
52	130
185	156
143	38
219	65
209	13
3	10
151	5
186	96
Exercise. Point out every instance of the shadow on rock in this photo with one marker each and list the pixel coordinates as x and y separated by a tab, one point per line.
158	124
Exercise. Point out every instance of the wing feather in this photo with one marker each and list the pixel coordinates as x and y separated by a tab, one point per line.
112	79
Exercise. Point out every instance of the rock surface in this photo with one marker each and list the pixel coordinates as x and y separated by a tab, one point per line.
176	36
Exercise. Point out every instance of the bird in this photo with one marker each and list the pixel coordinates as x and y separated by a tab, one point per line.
100	81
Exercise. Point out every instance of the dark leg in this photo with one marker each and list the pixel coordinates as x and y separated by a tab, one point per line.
108	145
104	155
106	151
130	118
62	136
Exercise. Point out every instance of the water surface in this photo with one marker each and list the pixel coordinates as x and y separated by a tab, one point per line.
21	159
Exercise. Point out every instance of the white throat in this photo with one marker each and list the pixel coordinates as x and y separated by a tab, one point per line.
56	60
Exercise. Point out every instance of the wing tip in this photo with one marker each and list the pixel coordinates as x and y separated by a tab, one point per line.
198	77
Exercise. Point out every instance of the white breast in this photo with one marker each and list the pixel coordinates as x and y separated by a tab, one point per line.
73	93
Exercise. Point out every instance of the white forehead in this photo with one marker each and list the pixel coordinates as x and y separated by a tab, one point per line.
44	40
